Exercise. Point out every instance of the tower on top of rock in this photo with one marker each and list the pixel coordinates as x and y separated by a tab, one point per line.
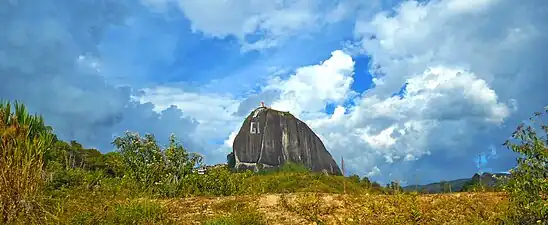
262	105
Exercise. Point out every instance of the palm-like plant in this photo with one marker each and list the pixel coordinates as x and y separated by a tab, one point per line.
34	124
24	138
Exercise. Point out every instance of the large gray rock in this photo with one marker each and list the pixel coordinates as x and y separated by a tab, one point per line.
269	138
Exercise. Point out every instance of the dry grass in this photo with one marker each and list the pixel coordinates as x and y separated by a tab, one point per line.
21	158
316	208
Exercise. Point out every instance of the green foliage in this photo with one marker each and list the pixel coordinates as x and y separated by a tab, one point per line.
528	186
481	183
365	182
179	162
354	178
445	186
114	164
142	157
146	162
220	182
73	178
376	187
393	188
473	186
34	124
289	167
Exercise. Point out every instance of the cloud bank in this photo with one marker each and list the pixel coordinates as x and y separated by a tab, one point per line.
50	61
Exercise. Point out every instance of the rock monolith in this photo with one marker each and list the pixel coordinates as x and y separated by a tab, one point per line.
269	138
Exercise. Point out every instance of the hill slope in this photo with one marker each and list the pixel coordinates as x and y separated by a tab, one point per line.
488	180
317	208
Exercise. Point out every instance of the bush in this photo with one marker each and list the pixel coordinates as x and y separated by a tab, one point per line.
287	167
73	178
220	182
528	185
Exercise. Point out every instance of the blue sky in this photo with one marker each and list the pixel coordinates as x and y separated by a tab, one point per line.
169	47
396	87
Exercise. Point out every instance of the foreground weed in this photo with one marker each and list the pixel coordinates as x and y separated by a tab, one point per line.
241	218
133	212
311	206
238	211
231	205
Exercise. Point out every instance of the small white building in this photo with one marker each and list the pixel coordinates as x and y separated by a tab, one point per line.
203	170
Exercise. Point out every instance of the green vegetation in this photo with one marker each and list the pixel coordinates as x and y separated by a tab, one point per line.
485	182
528	186
132	212
44	180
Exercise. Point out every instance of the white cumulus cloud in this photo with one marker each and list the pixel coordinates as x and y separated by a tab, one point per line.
312	87
261	24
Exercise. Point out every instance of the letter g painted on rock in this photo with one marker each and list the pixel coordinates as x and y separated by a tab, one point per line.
254	128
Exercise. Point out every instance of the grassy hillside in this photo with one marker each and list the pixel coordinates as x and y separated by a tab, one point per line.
44	180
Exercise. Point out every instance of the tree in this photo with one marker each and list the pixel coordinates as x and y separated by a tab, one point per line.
445	186
395	187
179	161
142	157
442	185
354	178
472	185
528	183
146	162
365	182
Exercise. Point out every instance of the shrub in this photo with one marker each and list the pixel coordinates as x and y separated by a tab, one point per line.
114	164
528	185
221	182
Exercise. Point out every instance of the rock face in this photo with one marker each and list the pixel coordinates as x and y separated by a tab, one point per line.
269	138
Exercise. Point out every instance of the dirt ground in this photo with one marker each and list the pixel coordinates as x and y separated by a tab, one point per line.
316	208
